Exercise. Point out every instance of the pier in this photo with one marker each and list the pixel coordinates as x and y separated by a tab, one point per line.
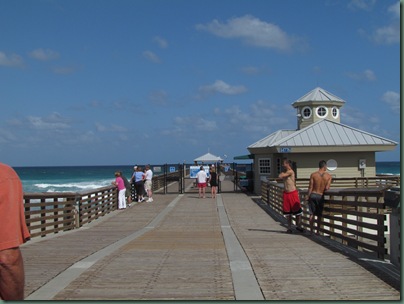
180	247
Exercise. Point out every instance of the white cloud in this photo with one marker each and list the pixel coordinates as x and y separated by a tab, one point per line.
12	60
363	120
6	136
149	55
261	118
54	122
44	54
111	128
367	74
392	99
390	33
366	5
395	10
250	70
118	128
251	31
188	126
202	124
222	87
360	119
162	43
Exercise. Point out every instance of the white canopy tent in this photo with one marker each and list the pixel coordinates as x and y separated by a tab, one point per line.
208	158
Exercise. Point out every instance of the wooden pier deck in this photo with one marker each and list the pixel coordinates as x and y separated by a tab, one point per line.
181	247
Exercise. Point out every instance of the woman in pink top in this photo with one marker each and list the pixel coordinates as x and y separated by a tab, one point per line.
120	184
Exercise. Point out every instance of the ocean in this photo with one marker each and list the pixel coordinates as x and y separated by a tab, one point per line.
68	179
82	178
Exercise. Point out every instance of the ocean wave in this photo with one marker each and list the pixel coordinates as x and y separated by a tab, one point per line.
389	174
74	186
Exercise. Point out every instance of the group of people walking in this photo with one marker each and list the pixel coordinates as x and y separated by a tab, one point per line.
142	180
320	181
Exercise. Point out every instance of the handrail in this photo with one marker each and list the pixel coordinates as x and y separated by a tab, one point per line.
356	182
354	216
52	212
48	213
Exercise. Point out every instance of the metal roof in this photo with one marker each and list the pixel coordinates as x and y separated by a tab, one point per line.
271	139
319	95
322	133
208	157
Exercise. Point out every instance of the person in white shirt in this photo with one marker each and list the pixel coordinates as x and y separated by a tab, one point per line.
201	177
148	184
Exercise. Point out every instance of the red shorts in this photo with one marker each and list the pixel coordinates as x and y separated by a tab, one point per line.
201	185
291	203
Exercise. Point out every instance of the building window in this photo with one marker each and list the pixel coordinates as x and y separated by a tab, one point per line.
332	164
335	112
279	165
264	165
322	112
306	112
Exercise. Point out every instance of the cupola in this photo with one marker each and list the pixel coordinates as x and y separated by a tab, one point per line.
316	105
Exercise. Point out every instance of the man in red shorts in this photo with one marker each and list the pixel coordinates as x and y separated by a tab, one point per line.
291	201
201	177
13	233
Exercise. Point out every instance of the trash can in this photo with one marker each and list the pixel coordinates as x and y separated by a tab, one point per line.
392	197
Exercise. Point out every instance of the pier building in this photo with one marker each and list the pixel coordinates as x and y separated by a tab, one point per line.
349	152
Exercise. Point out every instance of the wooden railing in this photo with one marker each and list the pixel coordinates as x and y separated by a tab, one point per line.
355	182
49	213
354	216
97	203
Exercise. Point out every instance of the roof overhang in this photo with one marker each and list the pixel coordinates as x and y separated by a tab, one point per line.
321	149
248	156
317	103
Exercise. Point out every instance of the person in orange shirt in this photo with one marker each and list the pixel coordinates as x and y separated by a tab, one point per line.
13	233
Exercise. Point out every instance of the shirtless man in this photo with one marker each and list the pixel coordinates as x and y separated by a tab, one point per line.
291	201
320	181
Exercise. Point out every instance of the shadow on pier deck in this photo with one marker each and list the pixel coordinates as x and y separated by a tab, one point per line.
181	247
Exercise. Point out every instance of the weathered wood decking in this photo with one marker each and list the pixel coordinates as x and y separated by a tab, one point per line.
185	248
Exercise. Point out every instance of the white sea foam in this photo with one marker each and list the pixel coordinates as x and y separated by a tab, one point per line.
73	186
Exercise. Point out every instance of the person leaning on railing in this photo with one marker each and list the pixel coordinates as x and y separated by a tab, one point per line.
13	233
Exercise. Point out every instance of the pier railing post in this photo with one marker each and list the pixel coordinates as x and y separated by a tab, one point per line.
77	211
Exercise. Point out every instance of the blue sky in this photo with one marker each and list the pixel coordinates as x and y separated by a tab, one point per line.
98	82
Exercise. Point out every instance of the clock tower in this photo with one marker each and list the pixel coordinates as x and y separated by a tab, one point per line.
316	105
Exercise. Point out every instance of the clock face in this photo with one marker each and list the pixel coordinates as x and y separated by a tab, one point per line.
332	164
322	112
306	112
